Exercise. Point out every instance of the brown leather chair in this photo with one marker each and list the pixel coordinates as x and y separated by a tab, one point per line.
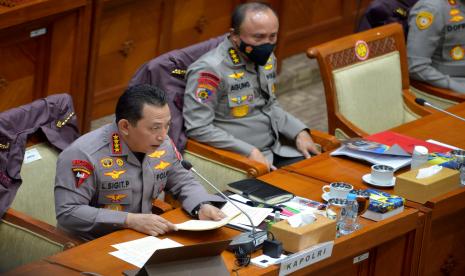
366	82
221	166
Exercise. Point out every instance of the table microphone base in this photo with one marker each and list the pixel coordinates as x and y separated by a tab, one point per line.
246	241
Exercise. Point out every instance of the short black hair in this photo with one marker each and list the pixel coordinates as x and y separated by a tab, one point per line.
240	11
131	103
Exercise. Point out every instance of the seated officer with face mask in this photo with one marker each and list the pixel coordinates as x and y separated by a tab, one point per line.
230	100
106	180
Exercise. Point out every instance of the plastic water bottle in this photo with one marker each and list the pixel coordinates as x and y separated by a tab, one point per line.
348	220
462	174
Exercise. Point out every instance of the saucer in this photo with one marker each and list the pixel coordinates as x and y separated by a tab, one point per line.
367	179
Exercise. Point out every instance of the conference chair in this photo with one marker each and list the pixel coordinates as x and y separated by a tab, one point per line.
382	12
28	228
220	166
366	82
440	97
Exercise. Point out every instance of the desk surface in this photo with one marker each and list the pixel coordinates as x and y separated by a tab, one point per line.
93	256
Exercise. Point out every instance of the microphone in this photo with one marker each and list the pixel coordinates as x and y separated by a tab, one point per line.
423	102
247	241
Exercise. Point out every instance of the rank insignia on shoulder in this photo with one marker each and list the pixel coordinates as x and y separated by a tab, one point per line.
361	50
180	73
240	111
424	20
115	174
400	11
457	53
106	162
234	56
157	153
162	165
116	143
236	75
116	198
61	124
81	174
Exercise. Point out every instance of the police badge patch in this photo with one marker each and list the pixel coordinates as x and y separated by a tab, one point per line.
424	20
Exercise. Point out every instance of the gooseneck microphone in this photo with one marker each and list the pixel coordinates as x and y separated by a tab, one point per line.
246	241
423	102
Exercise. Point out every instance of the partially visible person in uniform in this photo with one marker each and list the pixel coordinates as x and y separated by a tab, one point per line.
436	43
230	100
106	180
383	12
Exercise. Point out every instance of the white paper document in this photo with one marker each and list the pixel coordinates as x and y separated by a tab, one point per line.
233	216
137	252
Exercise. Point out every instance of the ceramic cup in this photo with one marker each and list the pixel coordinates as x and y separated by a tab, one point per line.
338	189
382	174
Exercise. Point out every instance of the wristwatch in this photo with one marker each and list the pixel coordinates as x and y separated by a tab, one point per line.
195	212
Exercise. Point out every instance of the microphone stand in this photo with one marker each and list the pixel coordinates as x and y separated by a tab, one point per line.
421	101
248	240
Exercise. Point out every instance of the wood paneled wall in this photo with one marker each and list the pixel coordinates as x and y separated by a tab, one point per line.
91	48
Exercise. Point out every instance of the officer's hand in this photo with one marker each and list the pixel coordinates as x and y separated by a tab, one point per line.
259	157
210	212
305	145
149	224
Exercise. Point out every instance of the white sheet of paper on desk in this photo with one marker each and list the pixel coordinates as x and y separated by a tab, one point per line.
137	252
201	225
257	214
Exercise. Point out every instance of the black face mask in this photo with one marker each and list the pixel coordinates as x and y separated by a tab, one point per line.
258	54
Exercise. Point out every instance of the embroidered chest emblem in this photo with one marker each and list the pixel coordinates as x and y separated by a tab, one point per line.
157	154
115	174
116	198
162	165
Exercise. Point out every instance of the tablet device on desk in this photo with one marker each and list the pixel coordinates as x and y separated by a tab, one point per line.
197	259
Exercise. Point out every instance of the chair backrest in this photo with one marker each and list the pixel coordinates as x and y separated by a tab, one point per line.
167	72
364	75
36	197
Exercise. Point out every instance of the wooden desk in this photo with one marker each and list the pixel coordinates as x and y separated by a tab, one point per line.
442	249
387	242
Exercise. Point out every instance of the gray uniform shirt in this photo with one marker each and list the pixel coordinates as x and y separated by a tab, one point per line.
436	43
229	103
99	180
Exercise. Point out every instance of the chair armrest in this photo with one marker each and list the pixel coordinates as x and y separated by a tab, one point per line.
409	100
42	228
326	141
437	91
229	158
159	207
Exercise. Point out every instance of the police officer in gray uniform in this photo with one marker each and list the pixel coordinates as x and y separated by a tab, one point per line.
230	100
106	180
436	43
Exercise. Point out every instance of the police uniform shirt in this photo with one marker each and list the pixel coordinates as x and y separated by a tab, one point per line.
99	180
436	43
229	103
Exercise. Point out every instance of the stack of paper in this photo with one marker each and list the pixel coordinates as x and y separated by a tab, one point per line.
233	217
137	252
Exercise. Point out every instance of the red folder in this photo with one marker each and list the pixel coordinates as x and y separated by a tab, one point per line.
390	138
